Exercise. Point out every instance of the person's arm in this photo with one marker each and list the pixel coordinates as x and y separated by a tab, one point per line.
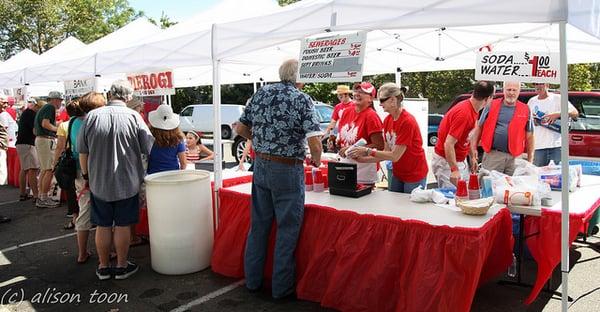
330	126
316	148
370	155
206	150
48	126
243	130
182	160
376	141
83	163
450	153
530	146
61	143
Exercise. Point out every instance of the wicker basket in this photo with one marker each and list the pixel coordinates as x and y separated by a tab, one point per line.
475	206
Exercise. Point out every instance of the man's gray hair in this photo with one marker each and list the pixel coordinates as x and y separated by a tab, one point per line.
288	71
122	90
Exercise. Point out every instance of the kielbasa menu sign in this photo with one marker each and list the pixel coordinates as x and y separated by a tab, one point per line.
155	83
541	67
336	58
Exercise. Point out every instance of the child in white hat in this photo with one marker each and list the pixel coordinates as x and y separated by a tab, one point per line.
168	151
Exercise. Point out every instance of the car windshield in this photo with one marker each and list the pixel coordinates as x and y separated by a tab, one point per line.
324	112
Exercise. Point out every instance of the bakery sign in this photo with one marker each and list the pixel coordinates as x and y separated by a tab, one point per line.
152	83
527	66
79	87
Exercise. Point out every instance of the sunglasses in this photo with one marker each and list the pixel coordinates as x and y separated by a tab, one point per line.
381	100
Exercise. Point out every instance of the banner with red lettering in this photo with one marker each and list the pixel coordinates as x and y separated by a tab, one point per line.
540	67
155	83
336	58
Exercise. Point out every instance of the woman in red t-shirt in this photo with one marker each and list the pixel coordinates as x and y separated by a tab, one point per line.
403	143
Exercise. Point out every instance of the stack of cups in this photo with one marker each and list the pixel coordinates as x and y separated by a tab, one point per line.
318	185
461	190
474	187
308	180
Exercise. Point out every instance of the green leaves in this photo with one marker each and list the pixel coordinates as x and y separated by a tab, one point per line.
39	25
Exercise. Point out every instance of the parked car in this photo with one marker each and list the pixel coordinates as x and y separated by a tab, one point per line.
324	112
584	135
432	128
199	117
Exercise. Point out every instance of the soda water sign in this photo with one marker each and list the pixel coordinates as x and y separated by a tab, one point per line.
78	87
336	58
538	67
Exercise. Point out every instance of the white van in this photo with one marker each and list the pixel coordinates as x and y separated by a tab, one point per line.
199	117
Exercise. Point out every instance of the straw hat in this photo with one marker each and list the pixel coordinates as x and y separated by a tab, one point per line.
164	118
341	89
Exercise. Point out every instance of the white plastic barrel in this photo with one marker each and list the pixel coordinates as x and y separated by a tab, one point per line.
180	221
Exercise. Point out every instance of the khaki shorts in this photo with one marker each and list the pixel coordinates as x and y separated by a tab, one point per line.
441	170
499	161
28	156
45	150
83	223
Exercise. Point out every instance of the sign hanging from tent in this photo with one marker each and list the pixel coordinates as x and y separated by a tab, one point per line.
20	94
154	83
336	58
79	87
540	67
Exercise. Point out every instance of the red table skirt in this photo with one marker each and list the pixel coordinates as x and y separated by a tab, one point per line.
13	166
545	246
354	262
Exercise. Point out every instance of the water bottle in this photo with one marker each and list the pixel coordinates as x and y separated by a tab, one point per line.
487	187
512	269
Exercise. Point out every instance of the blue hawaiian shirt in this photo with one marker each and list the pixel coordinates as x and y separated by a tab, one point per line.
281	118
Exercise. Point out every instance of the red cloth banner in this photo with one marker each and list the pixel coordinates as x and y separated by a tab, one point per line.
354	262
13	166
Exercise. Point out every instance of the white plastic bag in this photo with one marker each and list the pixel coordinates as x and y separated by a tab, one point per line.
419	195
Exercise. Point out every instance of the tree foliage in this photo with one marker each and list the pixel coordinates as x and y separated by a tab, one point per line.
39	25
164	21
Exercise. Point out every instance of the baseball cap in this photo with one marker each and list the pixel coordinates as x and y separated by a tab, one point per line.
55	95
366	87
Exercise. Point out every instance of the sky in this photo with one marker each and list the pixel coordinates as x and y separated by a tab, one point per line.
176	10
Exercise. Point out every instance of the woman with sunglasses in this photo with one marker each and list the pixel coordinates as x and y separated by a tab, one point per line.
403	143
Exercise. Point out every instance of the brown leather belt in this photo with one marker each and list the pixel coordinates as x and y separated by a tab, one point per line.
279	159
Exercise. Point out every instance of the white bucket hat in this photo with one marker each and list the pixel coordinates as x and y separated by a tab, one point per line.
163	118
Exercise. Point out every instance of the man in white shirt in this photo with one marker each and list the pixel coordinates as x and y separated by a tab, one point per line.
546	106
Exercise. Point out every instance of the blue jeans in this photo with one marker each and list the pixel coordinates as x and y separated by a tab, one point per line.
402	187
277	192
543	156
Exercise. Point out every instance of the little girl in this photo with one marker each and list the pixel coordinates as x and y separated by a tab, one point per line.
168	151
196	151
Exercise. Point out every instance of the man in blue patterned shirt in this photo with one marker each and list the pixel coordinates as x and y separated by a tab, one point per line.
279	119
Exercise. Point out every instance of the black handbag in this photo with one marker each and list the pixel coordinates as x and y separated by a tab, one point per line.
65	171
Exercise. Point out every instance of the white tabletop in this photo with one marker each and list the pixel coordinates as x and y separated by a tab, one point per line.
582	199
385	203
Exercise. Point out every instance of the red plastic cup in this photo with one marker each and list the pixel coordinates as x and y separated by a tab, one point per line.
308	179
461	189
318	176
473	182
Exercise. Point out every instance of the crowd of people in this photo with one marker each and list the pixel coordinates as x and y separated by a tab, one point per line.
110	140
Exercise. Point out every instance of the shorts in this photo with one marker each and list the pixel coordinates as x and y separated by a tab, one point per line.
122	212
28	156
45	150
83	223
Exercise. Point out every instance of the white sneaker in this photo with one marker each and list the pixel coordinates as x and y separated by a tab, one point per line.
45	203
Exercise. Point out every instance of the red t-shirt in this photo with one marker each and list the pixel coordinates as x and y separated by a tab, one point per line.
458	122
353	126
412	166
339	109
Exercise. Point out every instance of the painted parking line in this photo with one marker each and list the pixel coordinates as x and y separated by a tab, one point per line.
210	296
37	242
10	202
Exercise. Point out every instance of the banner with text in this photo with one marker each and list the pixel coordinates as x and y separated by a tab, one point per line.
332	59
79	87
541	67
155	83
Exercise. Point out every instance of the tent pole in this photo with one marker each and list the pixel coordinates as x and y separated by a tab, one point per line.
398	76
564	156
216	90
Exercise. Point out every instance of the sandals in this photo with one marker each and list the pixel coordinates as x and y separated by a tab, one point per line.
69	225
